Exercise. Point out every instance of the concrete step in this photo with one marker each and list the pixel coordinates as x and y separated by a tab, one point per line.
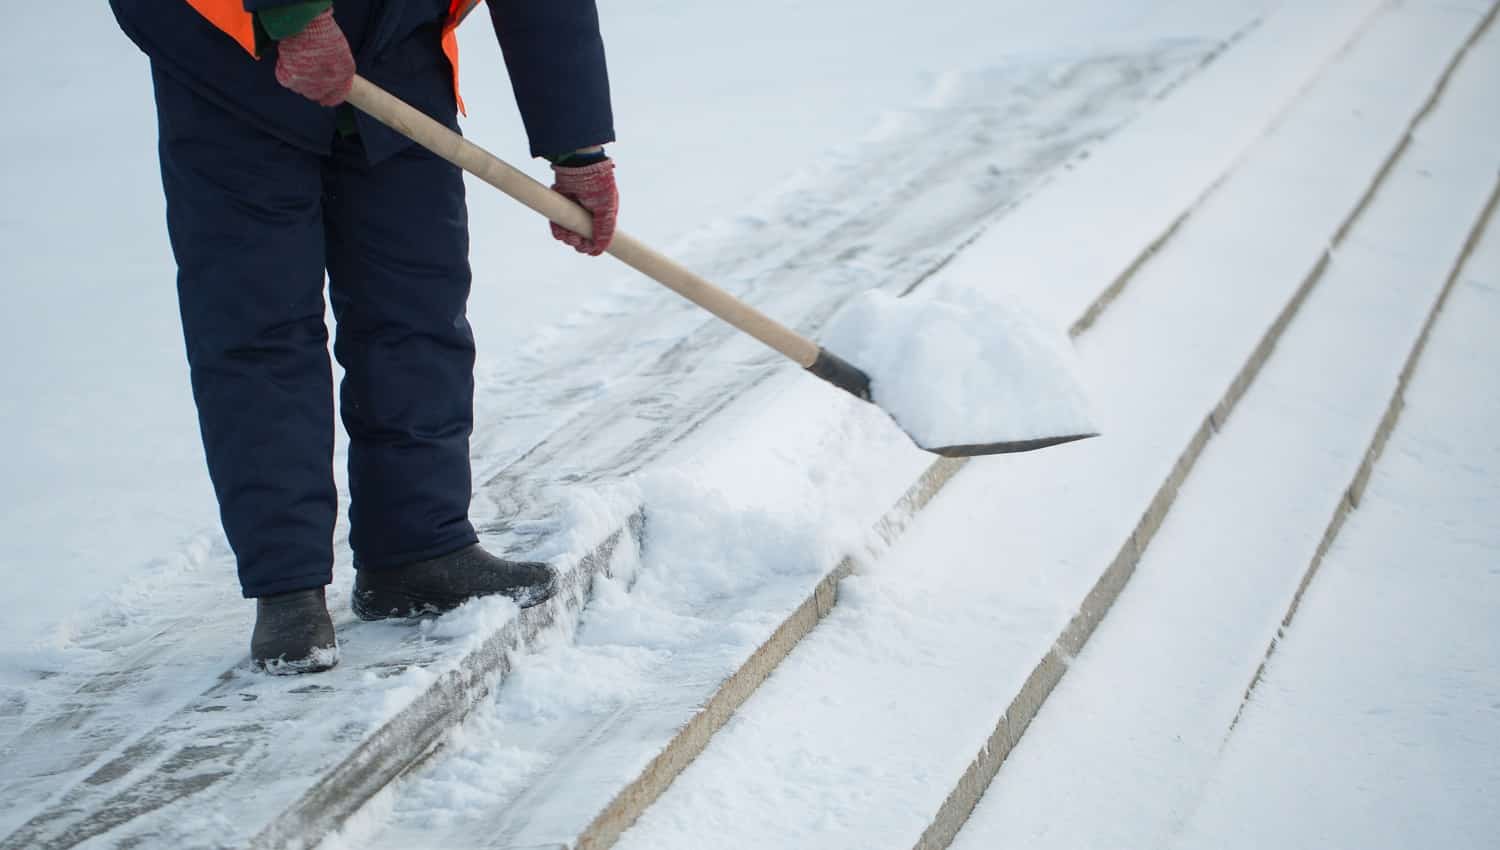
887	722
1123	747
1374	726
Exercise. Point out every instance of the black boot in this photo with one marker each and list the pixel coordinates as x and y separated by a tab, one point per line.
293	633
445	582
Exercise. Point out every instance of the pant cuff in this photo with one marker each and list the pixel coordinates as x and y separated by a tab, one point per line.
401	559
287	585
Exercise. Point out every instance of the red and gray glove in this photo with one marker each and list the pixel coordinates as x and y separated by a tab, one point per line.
593	188
316	62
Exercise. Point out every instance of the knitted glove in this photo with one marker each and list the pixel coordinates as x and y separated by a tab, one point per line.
316	62
593	187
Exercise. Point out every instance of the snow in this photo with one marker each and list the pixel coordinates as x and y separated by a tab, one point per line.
96	385
960	369
1377	724
1139	190
569	756
744	148
1123	746
863	731
97	414
765	424
577	754
722	565
322	658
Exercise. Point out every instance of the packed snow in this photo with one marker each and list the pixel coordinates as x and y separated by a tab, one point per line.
1377	724
806	762
106	499
963	369
904	200
1123	747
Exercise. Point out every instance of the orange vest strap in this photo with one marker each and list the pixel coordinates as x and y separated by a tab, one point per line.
457	11
231	17
450	49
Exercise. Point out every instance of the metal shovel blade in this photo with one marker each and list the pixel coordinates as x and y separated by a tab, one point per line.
853	380
1005	448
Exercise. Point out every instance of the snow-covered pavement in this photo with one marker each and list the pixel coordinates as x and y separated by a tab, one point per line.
939	639
783	625
1377	723
1120	752
1019	123
105	501
513	751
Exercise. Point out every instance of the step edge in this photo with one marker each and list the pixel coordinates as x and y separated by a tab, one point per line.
1049	671
1354	493
1117	287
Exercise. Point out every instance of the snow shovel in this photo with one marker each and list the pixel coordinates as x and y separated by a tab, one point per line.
1027	400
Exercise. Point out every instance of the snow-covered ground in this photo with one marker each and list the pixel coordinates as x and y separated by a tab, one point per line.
734	120
1374	724
1377	724
105	484
1120	754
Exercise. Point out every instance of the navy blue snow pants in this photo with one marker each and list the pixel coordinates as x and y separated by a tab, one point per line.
254	224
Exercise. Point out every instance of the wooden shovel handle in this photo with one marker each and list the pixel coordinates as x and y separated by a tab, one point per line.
417	126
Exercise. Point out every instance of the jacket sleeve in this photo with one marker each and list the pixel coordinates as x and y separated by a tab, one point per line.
555	56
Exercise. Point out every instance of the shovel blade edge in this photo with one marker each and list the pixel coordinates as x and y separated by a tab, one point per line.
1005	447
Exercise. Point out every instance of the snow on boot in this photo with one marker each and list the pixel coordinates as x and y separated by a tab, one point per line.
293	633
443	583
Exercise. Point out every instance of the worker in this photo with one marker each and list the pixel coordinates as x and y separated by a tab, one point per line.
271	182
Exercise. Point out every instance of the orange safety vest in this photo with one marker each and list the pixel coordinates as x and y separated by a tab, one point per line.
231	17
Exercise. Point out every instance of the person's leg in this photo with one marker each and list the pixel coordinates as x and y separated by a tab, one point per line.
245	220
398	265
398	247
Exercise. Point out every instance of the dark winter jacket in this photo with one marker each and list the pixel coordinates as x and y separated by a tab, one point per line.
552	49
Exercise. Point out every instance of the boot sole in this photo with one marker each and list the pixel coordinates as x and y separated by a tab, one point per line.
323	658
372	605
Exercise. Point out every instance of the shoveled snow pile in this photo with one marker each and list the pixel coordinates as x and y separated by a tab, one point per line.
958	369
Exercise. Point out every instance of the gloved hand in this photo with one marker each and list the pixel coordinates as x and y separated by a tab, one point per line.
593	187
316	62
